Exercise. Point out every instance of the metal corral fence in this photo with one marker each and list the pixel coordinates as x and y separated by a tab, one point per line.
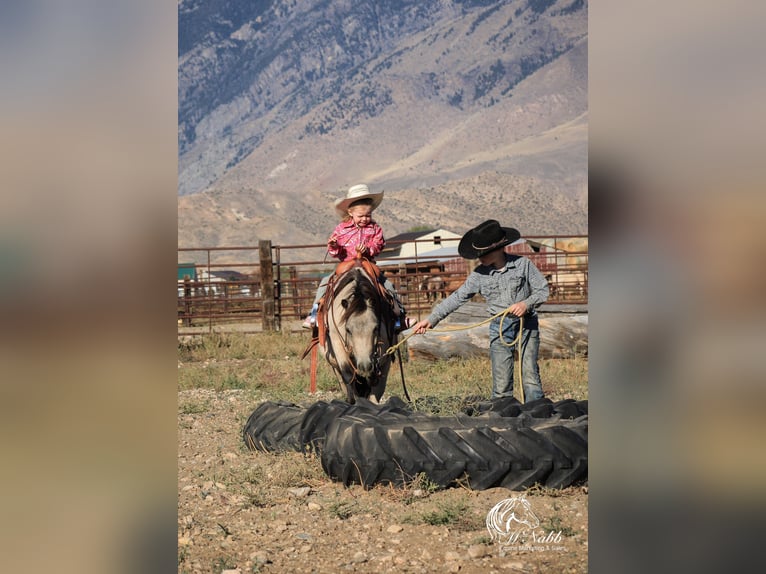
273	285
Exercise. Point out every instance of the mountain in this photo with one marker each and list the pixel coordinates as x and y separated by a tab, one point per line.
460	110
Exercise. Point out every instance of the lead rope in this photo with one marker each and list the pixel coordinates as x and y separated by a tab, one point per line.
401	371
502	314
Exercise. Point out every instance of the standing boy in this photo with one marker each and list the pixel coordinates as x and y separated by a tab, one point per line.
507	282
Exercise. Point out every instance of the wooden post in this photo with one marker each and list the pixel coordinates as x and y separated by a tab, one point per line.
187	301
295	291
267	285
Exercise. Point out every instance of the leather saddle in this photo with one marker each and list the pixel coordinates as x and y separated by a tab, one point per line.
321	328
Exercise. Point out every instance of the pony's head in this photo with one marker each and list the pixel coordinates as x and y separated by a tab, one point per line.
360	319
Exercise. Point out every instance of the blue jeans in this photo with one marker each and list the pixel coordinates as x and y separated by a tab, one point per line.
502	357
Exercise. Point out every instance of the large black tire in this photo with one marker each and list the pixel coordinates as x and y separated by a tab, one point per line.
316	420
283	426
500	443
570	408
320	415
280	426
540	408
487	451
274	427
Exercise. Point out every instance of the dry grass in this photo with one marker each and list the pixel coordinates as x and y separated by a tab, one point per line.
269	366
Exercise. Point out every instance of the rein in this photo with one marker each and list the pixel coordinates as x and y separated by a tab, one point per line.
401	372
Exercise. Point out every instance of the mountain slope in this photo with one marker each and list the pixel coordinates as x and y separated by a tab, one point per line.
458	110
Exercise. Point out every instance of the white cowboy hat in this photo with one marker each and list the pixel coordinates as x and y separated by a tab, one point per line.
354	193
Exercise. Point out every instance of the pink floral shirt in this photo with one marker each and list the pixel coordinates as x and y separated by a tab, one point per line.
349	236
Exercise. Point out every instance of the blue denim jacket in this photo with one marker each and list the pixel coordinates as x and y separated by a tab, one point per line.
518	281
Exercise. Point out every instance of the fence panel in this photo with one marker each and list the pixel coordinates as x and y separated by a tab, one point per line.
266	287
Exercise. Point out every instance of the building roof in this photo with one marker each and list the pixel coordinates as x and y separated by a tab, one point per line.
229	275
403	238
411	235
449	252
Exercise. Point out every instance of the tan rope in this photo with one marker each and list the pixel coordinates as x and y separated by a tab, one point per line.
502	314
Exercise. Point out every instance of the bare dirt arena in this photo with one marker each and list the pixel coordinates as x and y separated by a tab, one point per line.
243	511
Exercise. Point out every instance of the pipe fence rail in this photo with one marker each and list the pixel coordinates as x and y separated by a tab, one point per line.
272	286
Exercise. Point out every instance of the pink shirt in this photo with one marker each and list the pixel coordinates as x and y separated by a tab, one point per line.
349	236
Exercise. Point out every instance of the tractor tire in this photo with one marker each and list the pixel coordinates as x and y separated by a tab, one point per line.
540	408
570	408
283	426
486	451
274	427
321	415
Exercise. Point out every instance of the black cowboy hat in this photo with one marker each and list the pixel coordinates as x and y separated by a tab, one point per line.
485	238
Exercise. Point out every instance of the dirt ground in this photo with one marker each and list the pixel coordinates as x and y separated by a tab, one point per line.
243	511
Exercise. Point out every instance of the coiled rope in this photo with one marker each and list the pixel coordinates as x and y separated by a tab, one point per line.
502	314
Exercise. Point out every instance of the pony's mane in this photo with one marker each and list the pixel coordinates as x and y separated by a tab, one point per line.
364	291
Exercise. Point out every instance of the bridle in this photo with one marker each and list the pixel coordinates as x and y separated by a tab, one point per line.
378	352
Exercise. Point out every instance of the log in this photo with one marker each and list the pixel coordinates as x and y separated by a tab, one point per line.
562	336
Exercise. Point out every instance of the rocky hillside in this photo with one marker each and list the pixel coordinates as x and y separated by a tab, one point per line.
459	110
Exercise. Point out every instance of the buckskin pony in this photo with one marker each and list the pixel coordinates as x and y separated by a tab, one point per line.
355	328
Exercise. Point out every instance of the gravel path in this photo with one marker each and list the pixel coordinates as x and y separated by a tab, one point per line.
242	511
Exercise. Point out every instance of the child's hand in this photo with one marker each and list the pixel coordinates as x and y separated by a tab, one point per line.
518	309
332	242
361	249
421	327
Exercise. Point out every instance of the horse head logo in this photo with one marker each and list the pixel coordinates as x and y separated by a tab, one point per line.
509	517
